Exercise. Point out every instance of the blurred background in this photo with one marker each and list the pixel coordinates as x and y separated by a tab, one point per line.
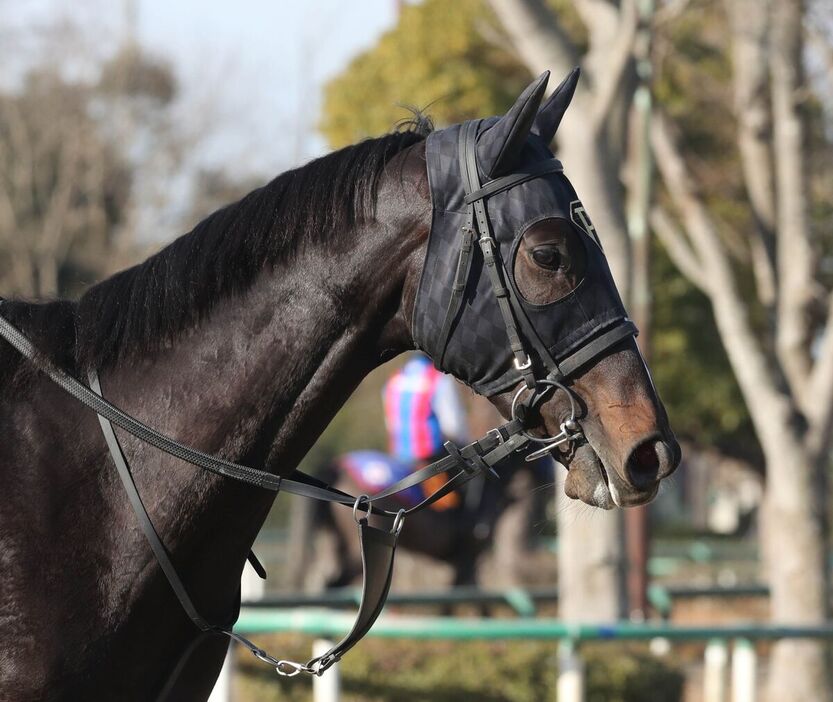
701	142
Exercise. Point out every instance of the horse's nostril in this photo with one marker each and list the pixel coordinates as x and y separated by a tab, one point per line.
644	464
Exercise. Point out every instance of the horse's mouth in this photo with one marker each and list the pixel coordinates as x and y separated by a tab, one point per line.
591	482
587	479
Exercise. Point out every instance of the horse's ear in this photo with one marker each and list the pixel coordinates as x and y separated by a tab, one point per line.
499	146
547	121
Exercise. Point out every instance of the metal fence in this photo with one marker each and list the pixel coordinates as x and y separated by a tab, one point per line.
726	676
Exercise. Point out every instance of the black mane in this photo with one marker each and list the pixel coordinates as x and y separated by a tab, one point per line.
142	308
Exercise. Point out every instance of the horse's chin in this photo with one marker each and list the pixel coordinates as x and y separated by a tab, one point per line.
591	482
587	479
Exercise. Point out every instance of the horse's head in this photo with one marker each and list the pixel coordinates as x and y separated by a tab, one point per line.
542	331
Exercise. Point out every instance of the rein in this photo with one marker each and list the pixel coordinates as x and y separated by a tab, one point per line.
531	356
377	545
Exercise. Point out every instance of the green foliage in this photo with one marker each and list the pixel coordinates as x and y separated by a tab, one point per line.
690	367
436	56
632	675
501	671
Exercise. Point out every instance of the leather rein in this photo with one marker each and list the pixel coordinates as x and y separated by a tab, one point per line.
462	463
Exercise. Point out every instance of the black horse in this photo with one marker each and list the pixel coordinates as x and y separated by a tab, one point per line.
458	534
243	338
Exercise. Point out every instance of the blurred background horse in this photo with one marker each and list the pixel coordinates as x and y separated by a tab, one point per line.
422	410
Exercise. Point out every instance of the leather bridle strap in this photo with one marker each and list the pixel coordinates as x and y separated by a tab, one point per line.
478	226
298	484
624	329
488	245
536	170
141	431
156	545
474	201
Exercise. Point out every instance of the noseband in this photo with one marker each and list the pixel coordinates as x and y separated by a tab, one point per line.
536	368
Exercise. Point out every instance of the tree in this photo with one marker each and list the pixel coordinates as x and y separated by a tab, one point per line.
62	187
771	301
69	160
458	60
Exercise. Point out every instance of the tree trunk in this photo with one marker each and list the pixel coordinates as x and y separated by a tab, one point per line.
47	273
796	547
590	561
591	565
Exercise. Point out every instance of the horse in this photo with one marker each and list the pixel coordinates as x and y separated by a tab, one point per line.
457	535
243	337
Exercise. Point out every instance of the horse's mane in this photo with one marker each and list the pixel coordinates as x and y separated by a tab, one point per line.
142	308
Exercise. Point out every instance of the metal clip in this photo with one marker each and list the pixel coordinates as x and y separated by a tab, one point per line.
289	669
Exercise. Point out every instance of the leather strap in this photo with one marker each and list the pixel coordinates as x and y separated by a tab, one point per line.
510	308
156	545
378	548
594	348
498	185
491	255
464	259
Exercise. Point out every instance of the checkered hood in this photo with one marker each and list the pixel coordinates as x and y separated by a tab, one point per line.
478	350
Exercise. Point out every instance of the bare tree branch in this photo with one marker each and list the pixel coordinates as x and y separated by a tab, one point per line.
680	251
752	367
796	260
820	390
593	162
619	56
536	35
749	26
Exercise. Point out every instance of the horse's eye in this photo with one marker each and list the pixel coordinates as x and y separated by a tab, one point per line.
547	257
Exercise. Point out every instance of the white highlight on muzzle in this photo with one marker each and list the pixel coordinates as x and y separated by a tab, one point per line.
613	494
600	494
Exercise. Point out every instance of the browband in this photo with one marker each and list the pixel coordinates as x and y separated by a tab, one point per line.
498	185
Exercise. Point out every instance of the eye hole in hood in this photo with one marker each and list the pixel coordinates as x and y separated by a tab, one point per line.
549	261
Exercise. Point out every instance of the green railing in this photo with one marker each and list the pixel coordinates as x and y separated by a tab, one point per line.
328	623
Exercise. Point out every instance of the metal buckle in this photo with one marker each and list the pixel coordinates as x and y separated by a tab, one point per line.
570	428
524	366
497	434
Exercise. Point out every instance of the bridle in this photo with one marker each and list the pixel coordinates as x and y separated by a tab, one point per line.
539	371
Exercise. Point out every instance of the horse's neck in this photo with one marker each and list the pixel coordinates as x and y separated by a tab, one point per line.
257	382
